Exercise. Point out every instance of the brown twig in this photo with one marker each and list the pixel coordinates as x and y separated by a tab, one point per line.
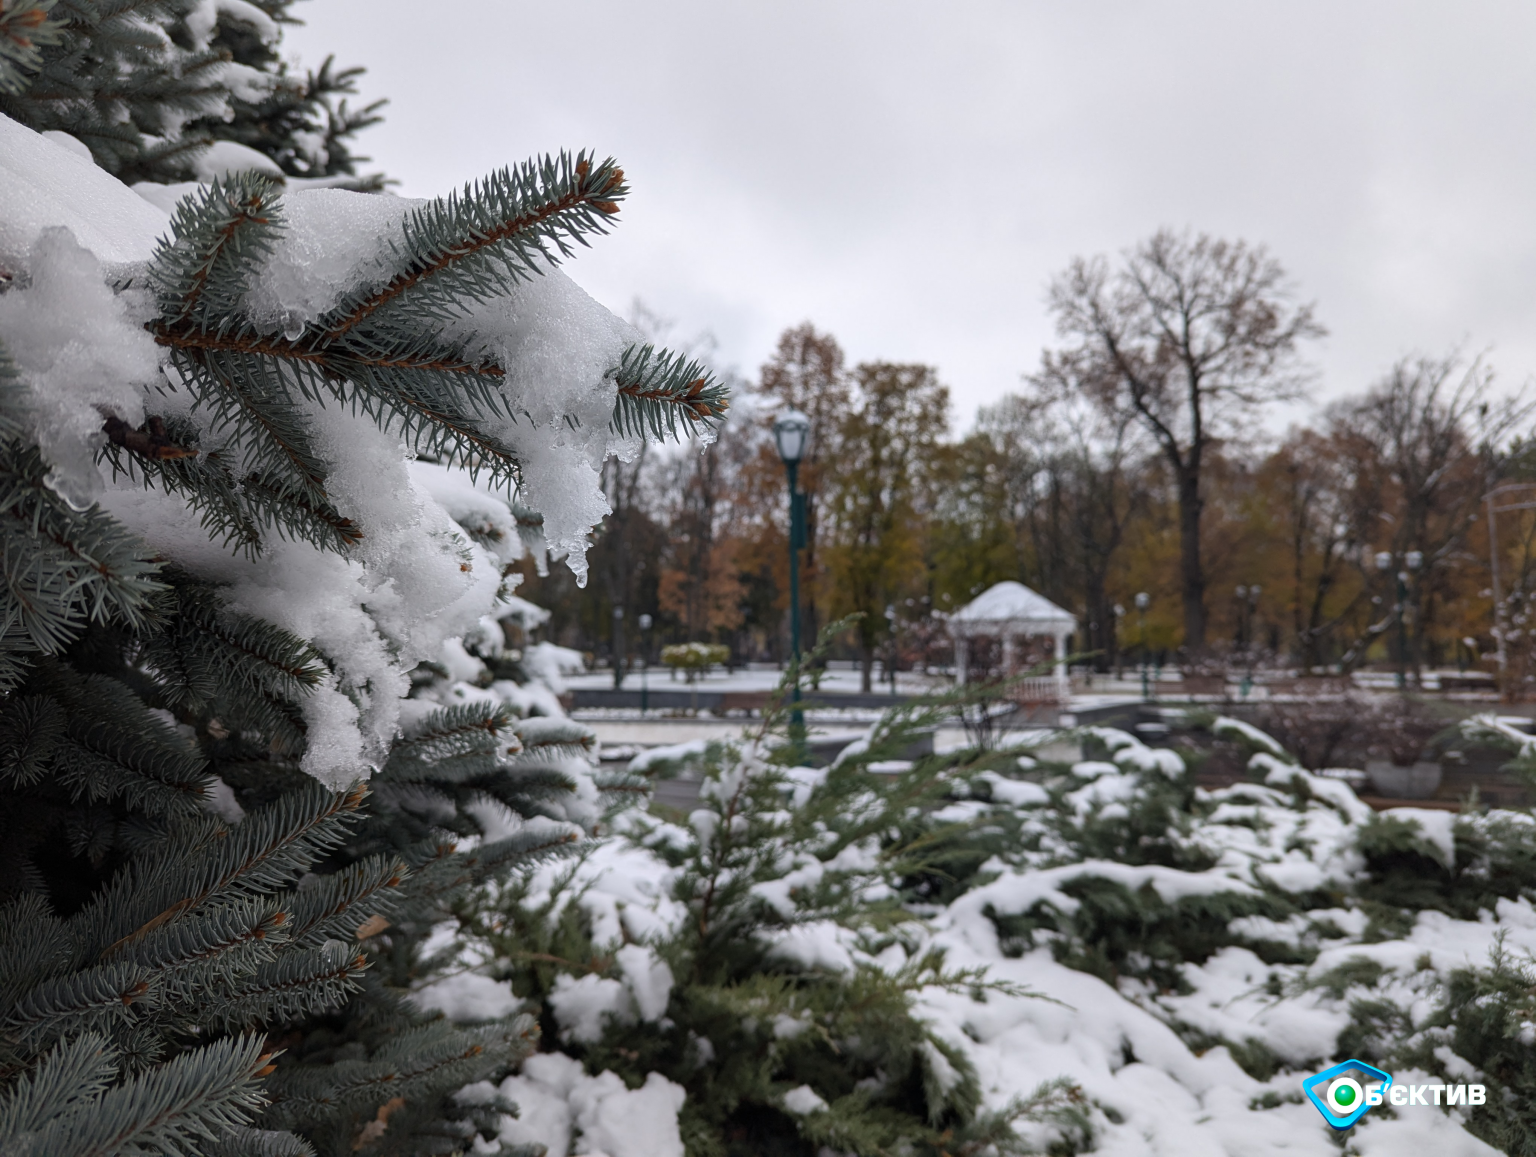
148	441
701	408
179	337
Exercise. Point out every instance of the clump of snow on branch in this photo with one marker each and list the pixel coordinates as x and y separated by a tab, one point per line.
84	351
569	1112
74	241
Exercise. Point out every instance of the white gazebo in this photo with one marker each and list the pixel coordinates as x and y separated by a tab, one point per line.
1010	611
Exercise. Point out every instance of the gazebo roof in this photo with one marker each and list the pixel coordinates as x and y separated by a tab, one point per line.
1013	608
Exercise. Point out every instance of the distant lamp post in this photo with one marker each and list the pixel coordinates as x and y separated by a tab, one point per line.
1247	611
1247	608
618	647
1143	601
1384	565
1413	561
791	432
645	663
1510	496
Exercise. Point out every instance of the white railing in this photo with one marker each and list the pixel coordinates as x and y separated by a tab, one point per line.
1041	689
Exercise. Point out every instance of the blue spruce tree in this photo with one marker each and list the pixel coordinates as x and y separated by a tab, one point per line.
265	465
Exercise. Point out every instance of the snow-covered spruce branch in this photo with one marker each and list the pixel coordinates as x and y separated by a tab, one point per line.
59	567
381	348
452	732
460	249
180	879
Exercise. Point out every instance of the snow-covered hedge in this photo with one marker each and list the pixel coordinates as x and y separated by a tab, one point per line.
1199	952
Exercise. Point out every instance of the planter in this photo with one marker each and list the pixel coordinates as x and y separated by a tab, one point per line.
1417	781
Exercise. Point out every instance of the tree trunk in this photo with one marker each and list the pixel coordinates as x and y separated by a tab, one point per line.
1191	568
866	668
1298	573
1101	624
1312	635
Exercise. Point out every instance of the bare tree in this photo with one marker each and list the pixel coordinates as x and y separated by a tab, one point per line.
630	547
1067	490
620	556
1312	479
1430	431
699	584
1189	337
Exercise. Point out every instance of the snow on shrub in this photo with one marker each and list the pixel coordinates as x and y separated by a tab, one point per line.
1200	952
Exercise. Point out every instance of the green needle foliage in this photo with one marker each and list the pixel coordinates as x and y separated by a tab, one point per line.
146	86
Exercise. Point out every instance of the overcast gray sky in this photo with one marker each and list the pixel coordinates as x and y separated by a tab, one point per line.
909	175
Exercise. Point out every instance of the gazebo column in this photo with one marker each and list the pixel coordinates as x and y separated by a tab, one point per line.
962	658
1063	686
1009	653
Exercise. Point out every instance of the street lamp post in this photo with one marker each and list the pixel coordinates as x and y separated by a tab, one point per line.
645	664
1384	564
890	619
1510	496
1143	601
618	648
1412	561
1247	611
791	430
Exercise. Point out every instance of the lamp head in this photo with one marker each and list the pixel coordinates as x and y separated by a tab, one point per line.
791	432
1384	560
1143	600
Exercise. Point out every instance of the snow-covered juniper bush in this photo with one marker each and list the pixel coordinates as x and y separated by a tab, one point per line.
762	954
268	449
1203	952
